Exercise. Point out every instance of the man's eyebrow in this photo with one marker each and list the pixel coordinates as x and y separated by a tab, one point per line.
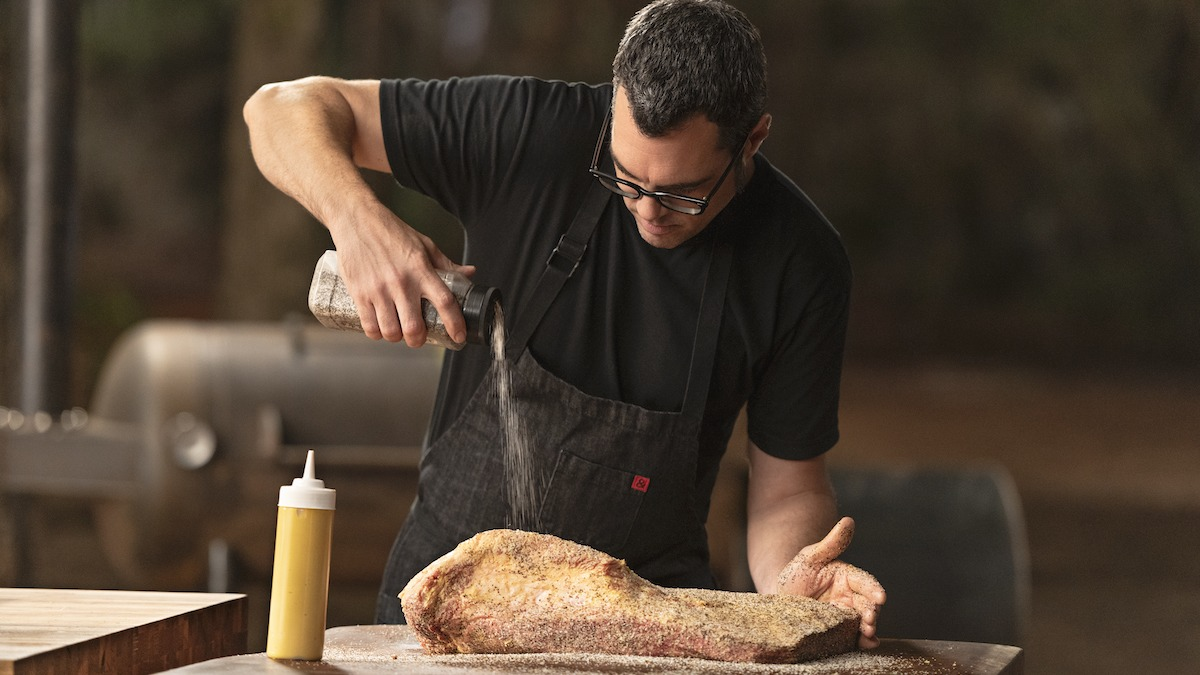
674	187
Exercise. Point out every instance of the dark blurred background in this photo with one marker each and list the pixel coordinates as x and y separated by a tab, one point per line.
1017	184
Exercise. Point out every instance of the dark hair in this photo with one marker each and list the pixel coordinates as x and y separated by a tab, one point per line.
683	57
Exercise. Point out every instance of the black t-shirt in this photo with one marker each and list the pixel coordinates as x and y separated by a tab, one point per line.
509	157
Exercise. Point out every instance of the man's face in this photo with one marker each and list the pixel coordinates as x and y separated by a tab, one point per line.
686	161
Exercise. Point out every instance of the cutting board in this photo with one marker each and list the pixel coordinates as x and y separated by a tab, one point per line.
380	650
45	631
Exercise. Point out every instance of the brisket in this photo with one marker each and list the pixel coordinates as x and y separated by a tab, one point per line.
508	591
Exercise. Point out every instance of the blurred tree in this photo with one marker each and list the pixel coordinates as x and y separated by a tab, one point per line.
7	240
1005	174
269	244
150	100
1018	179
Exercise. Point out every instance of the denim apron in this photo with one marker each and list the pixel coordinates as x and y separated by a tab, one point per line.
615	476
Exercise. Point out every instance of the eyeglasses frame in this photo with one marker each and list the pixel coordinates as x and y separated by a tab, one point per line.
639	191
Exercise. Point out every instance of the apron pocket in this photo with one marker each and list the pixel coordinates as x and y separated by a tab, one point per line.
592	504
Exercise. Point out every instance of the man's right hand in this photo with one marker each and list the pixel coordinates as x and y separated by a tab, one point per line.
388	268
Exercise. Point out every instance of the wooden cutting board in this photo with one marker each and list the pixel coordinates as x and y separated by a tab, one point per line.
46	631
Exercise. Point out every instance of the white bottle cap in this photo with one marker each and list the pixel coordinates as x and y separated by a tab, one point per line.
308	491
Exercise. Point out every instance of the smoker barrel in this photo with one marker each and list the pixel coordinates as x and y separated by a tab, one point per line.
194	426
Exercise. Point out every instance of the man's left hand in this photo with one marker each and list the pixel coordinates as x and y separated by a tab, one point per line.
816	572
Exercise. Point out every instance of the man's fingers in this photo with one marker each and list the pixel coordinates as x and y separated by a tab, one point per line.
868	597
866	609
828	549
868	615
368	321
816	557
396	316
386	322
412	322
450	312
865	585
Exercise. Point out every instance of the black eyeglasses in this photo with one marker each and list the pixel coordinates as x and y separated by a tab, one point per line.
692	206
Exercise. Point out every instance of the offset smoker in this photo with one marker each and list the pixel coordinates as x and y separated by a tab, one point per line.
194	426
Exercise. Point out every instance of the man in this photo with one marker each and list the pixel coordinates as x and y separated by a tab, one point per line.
648	297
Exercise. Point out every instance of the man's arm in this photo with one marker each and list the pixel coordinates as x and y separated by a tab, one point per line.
309	138
789	505
793	541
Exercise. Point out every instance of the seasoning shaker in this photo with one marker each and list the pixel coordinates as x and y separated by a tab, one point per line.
331	303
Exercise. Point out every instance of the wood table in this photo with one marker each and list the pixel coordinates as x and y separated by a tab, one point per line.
368	650
45	631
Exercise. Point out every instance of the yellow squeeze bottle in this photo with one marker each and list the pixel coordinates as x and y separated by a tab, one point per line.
300	580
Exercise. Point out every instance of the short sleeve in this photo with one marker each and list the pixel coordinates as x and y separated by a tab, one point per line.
792	412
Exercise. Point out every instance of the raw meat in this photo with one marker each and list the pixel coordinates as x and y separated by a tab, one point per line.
508	591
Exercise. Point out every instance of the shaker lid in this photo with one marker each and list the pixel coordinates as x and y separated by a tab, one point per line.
479	312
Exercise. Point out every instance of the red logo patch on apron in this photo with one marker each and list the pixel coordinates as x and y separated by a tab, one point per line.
640	483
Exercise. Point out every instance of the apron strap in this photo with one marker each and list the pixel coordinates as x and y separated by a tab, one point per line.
708	328
561	264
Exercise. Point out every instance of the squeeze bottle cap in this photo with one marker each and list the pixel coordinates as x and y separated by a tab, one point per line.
308	491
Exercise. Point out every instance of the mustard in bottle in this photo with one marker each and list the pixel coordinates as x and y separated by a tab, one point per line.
300	579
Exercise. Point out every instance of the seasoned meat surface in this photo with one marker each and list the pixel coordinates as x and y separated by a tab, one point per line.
509	591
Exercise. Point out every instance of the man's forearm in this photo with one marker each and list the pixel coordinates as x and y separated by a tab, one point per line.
303	136
790	505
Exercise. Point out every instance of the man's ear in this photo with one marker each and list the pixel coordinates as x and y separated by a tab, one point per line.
758	134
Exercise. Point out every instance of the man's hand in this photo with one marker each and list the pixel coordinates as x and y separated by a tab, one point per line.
388	268
816	572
